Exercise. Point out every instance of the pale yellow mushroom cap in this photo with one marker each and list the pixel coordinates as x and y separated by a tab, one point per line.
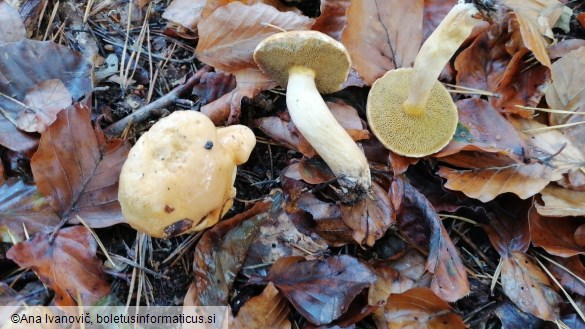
314	50
412	136
179	176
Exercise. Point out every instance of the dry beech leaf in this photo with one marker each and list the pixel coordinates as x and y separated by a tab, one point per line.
567	93
522	84
421	226
388	281
78	171
486	184
250	82
508	227
23	66
315	171
285	133
482	128
418	308
369	218
267	310
564	47
536	19
44	101
567	155
228	37
21	205
186	13
66	263
279	237
528	287
483	63
325	219
212	5
570	280
381	36
555	234
321	290
512	317
11	26
332	20
219	256
434	12
213	85
561	202
486	180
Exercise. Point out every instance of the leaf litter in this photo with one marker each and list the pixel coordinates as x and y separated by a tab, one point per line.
416	252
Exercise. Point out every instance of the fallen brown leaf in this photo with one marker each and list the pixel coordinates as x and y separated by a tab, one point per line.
522	84
66	263
561	202
333	19
418	308
565	94
268	310
11	26
434	12
321	218
22	206
422	227
321	290
212	5
571	276
23	67
487	183
536	19
389	281
78	171
44	101
528	287
483	63
249	82
381	36
369	218
512	317
508	227
482	128
230	34
220	254
279	237
564	47
556	234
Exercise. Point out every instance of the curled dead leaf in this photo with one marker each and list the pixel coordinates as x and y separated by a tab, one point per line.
65	262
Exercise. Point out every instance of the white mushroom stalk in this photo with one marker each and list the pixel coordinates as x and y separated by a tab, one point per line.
436	52
314	120
310	62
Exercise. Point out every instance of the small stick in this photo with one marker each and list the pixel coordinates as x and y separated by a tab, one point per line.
144	112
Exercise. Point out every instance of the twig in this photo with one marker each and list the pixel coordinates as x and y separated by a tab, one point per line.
144	112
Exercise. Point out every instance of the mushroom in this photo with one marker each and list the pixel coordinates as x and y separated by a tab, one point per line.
408	109
307	63
179	176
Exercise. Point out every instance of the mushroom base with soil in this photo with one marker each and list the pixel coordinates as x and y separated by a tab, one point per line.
314	120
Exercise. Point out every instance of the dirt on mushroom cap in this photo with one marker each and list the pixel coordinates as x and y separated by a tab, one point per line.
311	49
413	136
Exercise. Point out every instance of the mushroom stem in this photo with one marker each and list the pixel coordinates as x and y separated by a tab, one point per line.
313	119
436	52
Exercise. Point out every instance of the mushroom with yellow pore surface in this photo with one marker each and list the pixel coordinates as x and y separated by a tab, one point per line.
307	63
179	176
408	109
